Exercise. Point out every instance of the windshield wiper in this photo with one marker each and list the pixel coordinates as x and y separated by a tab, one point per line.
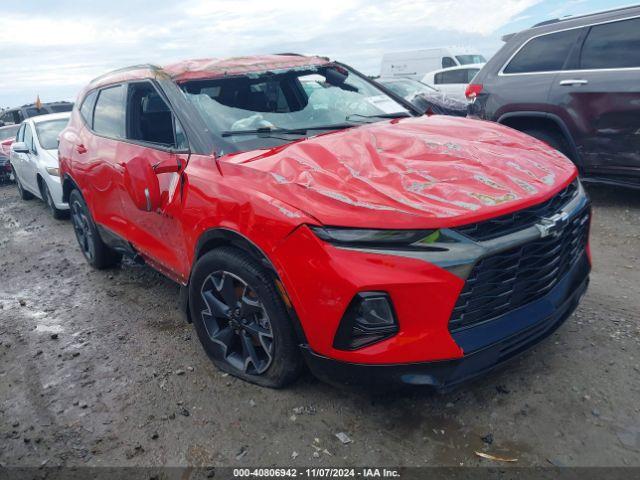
379	115
267	131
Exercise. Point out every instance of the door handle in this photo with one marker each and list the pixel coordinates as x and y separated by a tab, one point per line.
573	82
81	149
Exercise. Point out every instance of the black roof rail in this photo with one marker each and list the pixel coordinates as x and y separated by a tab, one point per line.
44	104
570	17
150	66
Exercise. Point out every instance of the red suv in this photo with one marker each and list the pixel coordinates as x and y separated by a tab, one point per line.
312	216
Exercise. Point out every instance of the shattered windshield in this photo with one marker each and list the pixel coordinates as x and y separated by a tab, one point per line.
245	109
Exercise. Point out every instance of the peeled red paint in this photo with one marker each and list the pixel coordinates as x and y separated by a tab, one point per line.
425	172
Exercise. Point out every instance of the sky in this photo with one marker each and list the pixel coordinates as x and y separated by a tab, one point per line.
52	48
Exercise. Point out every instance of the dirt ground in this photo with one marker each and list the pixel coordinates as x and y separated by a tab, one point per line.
99	368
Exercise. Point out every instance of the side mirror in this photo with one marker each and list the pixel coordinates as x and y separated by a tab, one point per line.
19	147
141	182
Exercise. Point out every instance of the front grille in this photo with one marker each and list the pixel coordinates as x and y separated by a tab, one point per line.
513	222
513	278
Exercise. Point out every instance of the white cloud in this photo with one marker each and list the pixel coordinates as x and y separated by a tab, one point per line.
60	52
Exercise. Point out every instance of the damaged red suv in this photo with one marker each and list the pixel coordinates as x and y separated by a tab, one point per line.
313	217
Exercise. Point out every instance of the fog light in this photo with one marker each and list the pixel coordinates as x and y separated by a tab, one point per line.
369	318
375	312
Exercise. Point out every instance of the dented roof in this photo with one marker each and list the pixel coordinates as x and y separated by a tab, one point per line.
215	67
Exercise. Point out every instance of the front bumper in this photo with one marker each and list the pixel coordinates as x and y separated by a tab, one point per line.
486	345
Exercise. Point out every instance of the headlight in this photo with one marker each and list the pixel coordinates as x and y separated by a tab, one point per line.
358	236
54	171
442	247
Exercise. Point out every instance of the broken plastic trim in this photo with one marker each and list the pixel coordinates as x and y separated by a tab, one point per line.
356	329
376	237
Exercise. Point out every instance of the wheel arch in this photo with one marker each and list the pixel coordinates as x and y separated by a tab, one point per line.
218	237
69	184
39	180
543	120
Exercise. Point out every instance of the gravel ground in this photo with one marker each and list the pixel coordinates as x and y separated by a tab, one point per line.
98	368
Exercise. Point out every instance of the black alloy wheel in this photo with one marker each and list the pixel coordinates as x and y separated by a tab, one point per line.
241	319
84	233
97	253
236	320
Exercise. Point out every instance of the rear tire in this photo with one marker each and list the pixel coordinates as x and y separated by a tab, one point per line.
97	253
241	320
48	199
24	195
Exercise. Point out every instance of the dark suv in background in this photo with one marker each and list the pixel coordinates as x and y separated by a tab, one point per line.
15	116
575	84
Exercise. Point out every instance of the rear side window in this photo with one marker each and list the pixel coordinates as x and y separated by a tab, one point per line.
612	45
544	54
108	115
463	75
86	110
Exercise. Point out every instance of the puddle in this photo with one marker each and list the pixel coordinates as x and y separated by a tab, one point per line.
49	328
44	321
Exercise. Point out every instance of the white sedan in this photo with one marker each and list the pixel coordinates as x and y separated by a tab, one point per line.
453	81
34	160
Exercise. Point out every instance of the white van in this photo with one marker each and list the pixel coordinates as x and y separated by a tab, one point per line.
416	63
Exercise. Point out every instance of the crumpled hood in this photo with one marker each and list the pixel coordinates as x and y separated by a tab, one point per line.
421	172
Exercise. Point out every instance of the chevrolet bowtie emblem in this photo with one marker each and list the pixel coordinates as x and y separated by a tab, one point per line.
553	226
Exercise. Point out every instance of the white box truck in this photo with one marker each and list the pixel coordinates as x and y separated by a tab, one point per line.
416	63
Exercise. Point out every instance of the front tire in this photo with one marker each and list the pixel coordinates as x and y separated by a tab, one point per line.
97	253
48	199
241	319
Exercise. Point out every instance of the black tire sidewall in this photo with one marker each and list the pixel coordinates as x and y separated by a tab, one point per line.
48	199
287	362
104	257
